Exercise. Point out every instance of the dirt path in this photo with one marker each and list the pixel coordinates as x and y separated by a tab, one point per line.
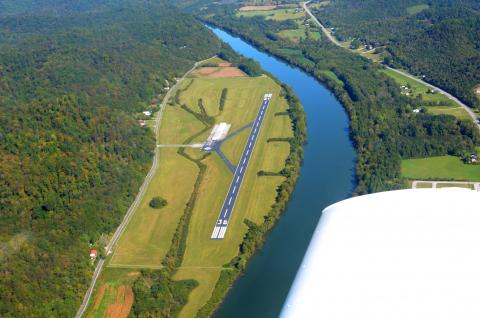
448	95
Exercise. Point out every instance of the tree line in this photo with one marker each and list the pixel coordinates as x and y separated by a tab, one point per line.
72	157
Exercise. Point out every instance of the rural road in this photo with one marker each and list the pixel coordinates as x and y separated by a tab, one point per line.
221	225
448	95
138	198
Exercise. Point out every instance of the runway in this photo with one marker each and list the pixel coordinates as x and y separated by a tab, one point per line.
221	225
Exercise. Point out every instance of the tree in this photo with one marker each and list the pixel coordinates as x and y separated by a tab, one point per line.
157	203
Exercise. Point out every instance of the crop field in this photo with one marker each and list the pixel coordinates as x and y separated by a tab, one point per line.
113	295
149	234
440	168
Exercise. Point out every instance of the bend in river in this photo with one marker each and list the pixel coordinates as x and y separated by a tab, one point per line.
327	176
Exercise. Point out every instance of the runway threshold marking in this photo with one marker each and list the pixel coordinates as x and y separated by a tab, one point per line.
221	225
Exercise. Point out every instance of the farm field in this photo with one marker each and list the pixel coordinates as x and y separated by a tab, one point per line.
440	168
300	33
275	14
113	295
148	237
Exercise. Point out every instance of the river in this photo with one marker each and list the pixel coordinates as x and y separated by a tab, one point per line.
327	176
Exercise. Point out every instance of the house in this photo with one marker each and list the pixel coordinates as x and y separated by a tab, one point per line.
416	111
473	159
147	113
93	254
141	122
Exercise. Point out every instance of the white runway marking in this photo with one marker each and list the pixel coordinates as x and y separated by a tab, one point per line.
234	188
215	231
222	232
241	169
238	178
230	201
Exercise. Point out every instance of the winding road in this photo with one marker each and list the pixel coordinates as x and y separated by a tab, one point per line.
138	198
448	95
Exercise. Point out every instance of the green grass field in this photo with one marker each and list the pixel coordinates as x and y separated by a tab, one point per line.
455	185
440	168
445	105
424	185
332	76
277	14
148	236
412	10
417	88
458	112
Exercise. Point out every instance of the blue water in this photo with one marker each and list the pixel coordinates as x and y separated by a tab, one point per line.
327	176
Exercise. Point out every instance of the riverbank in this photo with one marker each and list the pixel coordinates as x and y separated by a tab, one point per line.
325	177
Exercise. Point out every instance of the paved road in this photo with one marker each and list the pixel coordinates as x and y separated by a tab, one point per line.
136	202
448	95
180	146
221	225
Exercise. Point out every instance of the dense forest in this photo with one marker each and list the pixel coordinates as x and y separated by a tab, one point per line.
383	127
72	157
438	39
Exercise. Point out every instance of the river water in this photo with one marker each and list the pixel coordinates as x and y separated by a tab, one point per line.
327	176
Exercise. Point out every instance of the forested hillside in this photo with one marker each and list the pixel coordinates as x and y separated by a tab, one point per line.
72	157
383	126
439	39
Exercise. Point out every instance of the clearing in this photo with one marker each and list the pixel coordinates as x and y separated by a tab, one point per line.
277	14
412	10
435	102
218	72
113	294
148	236
440	168
257	8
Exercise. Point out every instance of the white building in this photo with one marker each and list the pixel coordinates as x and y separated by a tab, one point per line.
408	253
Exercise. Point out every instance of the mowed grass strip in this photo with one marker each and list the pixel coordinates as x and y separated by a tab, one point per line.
440	168
206	277
179	126
149	233
257	194
455	185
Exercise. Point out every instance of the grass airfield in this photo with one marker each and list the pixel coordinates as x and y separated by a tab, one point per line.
148	236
